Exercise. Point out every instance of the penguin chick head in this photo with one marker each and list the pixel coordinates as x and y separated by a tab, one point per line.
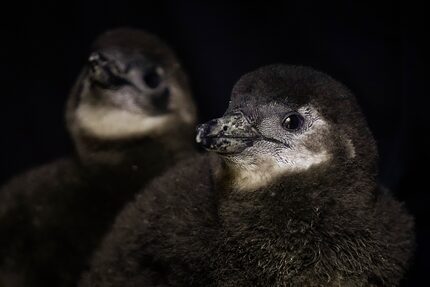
131	87
286	120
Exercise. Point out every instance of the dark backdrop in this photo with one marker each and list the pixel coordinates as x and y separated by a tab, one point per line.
374	50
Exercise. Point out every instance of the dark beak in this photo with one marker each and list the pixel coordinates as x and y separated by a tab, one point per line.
229	134
103	70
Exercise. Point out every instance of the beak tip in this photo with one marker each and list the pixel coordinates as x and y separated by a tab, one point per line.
200	133
198	138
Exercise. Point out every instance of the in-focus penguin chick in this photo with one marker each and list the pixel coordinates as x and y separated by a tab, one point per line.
291	199
131	116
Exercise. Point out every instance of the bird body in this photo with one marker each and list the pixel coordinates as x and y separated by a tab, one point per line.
289	199
53	217
181	232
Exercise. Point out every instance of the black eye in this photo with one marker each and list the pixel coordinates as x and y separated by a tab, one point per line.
293	122
152	78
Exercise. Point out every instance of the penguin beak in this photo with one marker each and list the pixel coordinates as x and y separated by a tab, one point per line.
229	134
103	69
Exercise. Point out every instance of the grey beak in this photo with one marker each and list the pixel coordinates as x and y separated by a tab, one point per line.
103	69
229	134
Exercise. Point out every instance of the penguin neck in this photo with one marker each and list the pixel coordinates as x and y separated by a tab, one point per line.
302	199
131	160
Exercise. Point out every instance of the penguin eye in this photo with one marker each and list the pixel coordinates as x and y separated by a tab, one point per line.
152	78
293	121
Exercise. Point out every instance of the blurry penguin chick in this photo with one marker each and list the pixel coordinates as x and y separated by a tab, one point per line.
132	91
130	115
290	199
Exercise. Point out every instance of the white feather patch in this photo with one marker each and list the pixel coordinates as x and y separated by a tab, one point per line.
254	176
113	123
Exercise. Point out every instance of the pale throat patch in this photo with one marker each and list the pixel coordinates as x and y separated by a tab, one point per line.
110	122
114	123
253	176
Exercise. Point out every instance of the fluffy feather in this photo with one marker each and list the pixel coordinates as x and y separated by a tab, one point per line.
327	225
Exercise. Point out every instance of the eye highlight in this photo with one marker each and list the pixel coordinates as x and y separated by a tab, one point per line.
293	121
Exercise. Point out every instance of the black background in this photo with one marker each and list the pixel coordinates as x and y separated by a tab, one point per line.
375	49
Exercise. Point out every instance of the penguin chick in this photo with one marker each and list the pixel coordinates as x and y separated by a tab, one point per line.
290	199
130	115
131	95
